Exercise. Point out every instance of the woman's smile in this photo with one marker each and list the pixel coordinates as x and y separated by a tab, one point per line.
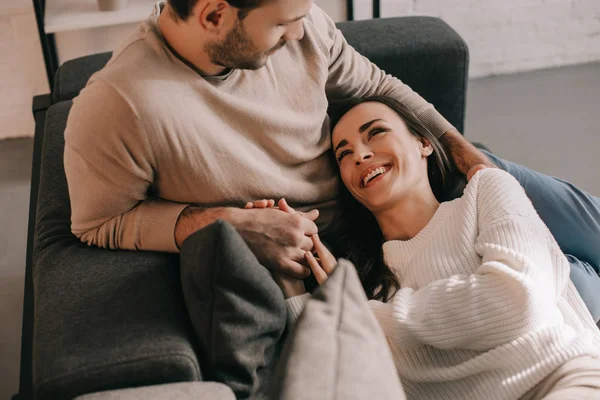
373	174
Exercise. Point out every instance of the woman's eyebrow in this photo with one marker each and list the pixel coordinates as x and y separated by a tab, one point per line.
362	129
343	143
366	126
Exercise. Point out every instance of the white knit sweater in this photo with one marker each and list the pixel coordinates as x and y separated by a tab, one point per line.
486	309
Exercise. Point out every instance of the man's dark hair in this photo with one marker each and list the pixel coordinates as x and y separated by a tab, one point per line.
183	8
359	230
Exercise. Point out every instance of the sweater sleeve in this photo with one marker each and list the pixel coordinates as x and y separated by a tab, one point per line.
514	290
295	306
109	169
352	75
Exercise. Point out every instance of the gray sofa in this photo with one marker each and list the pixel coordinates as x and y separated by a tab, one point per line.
96	319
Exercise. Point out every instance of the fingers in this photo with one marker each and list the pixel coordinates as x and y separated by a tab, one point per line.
294	269
328	260
312	214
284	206
315	267
306	244
309	227
260	204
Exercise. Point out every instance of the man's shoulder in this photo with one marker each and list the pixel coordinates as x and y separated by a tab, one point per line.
319	24
137	58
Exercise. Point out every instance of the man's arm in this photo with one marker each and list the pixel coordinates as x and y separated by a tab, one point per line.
352	75
109	166
465	155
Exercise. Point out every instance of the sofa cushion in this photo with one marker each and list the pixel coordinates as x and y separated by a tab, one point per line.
236	308
103	319
171	391
337	349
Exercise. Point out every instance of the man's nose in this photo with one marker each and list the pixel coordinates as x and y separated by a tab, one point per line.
295	31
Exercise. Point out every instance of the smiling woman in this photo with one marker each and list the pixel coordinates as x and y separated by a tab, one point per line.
389	126
476	296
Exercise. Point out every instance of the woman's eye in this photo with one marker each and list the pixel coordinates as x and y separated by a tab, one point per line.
342	155
375	131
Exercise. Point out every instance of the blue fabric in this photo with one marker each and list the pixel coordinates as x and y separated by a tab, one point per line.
573	217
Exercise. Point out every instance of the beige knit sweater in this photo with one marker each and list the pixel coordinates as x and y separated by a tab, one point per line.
486	309
148	135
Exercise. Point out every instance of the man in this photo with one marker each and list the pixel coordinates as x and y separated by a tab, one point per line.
213	103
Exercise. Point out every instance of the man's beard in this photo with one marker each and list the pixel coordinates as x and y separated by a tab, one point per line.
237	52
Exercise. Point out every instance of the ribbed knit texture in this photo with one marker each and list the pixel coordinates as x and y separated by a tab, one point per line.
295	305
486	309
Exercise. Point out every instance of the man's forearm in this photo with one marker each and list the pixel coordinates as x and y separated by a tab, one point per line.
464	154
194	218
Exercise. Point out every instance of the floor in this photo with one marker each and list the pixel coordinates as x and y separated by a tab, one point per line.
546	120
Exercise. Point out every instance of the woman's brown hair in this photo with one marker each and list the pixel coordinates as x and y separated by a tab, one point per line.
361	234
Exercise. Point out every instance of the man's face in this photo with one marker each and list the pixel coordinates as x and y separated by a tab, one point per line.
265	30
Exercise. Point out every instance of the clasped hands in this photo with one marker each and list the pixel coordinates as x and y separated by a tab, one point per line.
321	266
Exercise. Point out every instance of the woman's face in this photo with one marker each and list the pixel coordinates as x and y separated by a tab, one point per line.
380	161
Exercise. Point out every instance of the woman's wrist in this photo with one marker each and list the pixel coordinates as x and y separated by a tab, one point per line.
290	287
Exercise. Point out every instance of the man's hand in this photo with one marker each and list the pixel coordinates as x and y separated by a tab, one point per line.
466	156
289	286
278	239
474	170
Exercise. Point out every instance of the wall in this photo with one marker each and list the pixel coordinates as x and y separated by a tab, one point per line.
503	37
506	36
22	71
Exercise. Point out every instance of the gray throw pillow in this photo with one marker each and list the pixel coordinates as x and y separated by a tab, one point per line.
337	350
236	308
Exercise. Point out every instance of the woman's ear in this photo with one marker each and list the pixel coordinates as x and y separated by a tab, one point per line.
425	147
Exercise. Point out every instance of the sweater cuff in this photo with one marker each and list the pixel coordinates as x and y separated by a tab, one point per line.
435	122
383	313
294	306
157	232
392	318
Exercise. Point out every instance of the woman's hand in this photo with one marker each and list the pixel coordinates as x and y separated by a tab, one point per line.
325	264
260	204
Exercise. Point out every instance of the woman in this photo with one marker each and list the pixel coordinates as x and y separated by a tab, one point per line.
473	294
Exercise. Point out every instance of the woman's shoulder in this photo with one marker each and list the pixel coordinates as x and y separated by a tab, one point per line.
498	194
493	181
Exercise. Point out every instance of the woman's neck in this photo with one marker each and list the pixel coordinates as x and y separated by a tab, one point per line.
405	219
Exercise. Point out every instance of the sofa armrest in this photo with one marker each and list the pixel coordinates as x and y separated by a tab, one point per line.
423	52
102	319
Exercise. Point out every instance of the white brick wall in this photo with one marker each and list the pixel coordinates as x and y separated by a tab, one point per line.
22	71
506	36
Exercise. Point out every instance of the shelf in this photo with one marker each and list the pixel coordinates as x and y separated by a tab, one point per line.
68	15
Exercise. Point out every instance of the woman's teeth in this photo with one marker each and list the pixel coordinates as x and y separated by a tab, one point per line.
373	174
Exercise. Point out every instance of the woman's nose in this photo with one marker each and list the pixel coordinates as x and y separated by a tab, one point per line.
361	156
